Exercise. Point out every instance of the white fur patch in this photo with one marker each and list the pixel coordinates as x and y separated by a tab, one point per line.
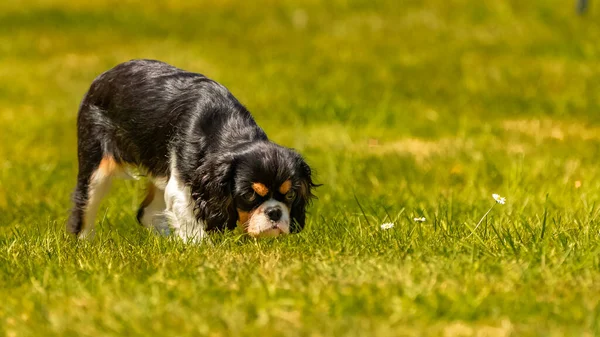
180	208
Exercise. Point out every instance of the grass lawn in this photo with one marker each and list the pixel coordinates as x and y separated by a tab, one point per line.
404	109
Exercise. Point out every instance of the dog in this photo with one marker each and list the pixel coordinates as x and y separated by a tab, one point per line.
209	165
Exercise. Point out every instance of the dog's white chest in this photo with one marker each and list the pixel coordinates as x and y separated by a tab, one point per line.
180	208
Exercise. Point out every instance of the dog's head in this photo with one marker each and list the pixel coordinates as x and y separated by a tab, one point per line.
262	186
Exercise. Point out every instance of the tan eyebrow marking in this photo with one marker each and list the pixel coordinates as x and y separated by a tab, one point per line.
285	187
260	189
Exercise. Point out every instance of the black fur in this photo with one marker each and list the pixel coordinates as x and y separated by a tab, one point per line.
142	112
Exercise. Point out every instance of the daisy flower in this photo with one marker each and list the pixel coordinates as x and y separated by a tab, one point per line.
387	225
499	199
421	219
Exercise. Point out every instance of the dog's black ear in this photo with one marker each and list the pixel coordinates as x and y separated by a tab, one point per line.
212	190
303	198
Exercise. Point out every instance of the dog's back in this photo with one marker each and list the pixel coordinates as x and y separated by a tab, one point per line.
143	102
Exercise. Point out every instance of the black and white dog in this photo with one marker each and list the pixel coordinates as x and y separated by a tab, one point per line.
209	165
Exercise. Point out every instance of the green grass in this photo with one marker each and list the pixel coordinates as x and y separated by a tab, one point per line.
403	108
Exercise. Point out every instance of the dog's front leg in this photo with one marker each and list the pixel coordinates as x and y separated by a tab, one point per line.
180	210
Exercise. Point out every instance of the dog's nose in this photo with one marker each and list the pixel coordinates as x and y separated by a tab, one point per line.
274	213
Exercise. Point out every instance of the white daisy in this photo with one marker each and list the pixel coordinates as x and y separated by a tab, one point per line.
387	225
499	199
421	219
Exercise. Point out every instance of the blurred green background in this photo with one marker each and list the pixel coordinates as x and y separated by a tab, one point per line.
403	109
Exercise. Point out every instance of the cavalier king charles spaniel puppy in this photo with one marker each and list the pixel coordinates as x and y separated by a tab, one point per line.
209	165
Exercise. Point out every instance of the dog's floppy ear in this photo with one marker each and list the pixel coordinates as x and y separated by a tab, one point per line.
304	197
212	190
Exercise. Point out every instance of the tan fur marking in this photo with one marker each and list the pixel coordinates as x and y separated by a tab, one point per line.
108	166
243	216
98	187
260	189
285	187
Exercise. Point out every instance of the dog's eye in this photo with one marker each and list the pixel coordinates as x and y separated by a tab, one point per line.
290	196
250	197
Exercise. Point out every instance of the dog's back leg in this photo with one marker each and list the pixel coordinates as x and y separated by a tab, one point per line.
96	169
93	182
151	213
